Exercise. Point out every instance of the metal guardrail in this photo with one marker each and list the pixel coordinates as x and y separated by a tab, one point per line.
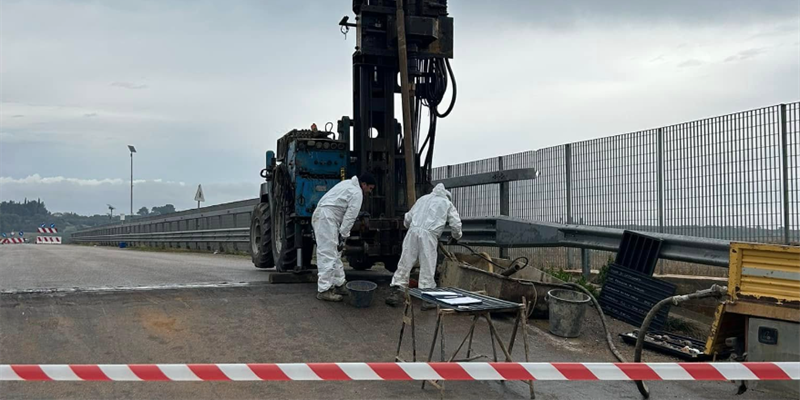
222	226
230	235
505	232
225	225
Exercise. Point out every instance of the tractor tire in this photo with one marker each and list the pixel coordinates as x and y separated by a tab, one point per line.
284	242
360	264
261	237
390	263
285	254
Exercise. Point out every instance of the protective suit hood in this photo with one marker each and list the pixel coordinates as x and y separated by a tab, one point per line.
439	190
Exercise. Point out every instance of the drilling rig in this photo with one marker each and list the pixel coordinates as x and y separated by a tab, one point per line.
309	162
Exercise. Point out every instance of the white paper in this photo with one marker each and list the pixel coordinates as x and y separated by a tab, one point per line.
440	294
460	301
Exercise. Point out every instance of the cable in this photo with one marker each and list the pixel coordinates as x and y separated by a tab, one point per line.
492	262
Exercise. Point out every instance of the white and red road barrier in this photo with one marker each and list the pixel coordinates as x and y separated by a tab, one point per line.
12	241
48	230
467	371
48	239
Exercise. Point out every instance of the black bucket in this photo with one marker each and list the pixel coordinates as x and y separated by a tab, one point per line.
361	293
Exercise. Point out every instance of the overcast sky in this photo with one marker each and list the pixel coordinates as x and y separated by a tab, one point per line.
203	89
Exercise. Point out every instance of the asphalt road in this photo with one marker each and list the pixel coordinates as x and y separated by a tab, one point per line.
28	267
273	323
256	323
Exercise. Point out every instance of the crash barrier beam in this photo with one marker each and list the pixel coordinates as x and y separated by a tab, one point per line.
517	233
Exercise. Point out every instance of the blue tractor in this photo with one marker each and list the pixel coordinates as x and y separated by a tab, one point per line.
308	163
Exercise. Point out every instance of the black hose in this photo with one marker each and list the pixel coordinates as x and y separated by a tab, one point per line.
713	291
455	89
609	340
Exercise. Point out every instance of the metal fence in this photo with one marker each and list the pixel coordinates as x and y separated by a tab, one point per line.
732	177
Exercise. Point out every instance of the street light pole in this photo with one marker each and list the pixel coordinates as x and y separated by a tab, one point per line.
133	150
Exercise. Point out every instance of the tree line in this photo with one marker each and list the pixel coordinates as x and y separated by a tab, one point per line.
29	215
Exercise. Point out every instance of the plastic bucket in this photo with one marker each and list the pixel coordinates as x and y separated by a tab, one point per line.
361	293
567	308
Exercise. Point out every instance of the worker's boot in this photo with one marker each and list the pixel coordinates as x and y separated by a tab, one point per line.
329	295
341	290
396	298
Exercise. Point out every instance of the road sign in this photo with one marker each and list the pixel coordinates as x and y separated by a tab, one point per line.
199	196
122	217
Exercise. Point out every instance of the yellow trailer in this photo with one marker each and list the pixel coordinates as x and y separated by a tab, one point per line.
761	315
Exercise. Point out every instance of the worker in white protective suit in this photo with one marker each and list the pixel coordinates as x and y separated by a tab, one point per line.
332	220
425	222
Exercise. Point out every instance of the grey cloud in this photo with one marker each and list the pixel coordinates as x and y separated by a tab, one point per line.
89	115
690	63
17	116
217	104
746	54
565	14
129	85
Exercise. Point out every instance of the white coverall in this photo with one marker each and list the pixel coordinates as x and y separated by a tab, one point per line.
335	214
426	222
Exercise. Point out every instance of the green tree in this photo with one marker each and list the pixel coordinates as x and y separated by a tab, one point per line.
165	209
143	211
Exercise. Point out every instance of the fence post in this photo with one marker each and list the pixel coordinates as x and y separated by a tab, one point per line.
660	178
586	264
568	181
785	173
505	202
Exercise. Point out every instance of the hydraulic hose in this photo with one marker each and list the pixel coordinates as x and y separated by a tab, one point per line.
609	340
453	100
714	291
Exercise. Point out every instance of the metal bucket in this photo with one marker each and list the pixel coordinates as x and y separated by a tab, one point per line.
361	293
567	308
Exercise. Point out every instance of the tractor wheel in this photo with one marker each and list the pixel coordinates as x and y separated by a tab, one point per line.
360	263
284	242
390	263
261	237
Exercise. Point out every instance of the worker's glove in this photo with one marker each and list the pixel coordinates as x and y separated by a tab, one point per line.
340	247
452	241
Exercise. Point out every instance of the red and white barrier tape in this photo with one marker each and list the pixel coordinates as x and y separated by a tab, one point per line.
47	230
12	241
468	371
48	239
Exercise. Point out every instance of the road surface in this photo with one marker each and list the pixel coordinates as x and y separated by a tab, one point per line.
29	267
256	323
